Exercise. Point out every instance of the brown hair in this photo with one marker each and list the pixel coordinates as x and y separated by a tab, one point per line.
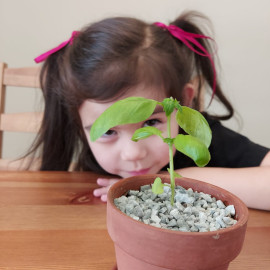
105	60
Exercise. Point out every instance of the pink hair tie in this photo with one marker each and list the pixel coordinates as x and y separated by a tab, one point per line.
45	55
188	39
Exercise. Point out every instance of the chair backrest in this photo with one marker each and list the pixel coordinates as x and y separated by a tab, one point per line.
17	122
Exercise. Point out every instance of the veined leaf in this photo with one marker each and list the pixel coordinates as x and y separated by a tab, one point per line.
126	111
193	148
145	132
194	123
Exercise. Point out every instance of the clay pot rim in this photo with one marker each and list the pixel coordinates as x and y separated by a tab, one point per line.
241	221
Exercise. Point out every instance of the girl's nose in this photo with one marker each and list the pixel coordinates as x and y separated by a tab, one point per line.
133	151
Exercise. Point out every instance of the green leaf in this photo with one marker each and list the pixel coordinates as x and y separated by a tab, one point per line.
126	111
157	186
145	132
193	123
169	141
176	175
193	148
169	105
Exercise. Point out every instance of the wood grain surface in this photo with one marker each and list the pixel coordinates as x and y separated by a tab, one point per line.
50	220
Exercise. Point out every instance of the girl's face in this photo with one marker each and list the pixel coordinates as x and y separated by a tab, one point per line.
115	152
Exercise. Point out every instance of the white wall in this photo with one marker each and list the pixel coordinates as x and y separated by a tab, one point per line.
30	27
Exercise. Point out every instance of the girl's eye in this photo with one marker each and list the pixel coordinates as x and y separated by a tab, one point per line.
151	122
109	133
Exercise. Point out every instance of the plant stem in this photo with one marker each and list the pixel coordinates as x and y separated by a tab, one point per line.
171	159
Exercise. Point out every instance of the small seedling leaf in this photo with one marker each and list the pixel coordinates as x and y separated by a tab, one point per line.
169	141
168	105
157	186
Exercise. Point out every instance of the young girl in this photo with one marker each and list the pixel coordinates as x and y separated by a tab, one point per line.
121	57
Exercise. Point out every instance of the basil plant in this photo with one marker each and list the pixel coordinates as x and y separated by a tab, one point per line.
194	143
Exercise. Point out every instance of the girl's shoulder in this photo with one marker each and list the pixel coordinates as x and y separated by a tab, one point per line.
232	149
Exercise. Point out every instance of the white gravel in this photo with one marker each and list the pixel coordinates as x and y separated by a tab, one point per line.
192	211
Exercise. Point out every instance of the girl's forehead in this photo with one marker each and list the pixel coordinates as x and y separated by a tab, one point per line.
90	109
151	92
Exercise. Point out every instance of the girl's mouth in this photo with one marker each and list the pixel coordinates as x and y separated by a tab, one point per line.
140	172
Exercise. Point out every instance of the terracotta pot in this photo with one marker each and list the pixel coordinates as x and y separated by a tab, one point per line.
144	247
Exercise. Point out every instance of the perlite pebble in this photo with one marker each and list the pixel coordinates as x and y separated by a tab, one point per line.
192	211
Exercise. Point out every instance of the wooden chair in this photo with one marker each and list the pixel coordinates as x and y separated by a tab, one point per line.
17	122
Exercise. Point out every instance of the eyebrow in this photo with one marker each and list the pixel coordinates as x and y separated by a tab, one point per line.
158	109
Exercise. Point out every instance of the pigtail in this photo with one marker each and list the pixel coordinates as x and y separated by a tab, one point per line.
59	137
56	138
202	65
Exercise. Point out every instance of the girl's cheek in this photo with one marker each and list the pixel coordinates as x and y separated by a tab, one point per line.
97	149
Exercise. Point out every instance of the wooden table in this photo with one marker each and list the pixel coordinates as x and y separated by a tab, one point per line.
50	220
